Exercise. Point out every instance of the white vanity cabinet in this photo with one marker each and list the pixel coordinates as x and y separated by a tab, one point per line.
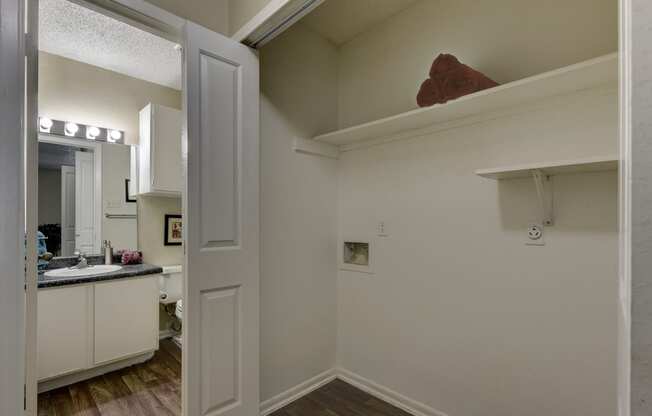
87	326
126	319
159	167
64	330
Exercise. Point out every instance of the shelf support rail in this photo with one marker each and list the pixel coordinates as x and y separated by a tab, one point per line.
543	184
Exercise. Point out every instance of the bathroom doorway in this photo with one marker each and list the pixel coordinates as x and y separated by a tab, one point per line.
101	324
104	333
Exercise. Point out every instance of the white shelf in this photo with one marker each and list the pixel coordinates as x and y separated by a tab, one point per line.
596	164
586	75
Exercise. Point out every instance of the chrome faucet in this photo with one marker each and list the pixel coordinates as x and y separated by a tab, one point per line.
83	263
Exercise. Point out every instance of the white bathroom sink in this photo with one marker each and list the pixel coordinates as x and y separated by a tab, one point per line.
88	271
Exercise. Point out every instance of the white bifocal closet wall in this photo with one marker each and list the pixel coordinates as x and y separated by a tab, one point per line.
459	315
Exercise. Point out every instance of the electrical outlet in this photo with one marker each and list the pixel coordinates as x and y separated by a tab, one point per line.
535	235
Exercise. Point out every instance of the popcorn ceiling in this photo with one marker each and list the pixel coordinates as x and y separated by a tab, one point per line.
78	33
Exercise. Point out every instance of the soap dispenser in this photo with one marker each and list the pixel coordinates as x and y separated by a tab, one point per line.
108	252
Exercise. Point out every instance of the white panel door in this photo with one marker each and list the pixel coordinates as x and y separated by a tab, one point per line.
221	230
67	210
85	203
12	206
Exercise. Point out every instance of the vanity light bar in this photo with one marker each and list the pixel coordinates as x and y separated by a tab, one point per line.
80	131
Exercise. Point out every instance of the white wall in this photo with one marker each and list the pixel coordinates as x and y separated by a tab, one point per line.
381	70
151	223
212	14
298	213
461	314
71	90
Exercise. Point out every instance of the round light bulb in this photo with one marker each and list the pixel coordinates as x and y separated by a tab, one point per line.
71	129
115	135
93	132
46	123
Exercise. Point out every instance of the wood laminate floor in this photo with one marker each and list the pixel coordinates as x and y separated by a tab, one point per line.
153	388
338	398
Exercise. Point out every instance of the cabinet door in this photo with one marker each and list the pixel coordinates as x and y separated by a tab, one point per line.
165	141
134	160
126	318
63	330
144	151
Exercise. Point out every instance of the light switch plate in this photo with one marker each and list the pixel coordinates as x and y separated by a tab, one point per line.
381	229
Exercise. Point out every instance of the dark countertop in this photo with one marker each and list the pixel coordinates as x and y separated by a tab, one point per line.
131	270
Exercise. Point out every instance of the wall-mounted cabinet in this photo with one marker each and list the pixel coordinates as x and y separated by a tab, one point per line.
156	162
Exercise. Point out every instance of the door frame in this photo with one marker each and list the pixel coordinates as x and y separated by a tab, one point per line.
13	365
140	14
97	166
65	208
18	300
12	44
146	17
272	20
625	210
85	244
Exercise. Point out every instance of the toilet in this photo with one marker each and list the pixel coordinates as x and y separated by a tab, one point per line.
178	312
179	309
170	285
171	292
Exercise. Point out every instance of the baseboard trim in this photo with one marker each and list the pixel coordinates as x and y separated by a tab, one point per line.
390	396
381	392
296	392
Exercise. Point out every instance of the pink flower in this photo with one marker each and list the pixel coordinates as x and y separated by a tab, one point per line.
131	257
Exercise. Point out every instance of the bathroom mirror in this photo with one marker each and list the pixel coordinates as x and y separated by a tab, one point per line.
83	196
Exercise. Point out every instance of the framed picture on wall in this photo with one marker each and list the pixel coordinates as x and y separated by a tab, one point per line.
173	230
127	197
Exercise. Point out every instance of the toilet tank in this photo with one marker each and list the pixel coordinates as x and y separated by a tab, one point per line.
170	284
